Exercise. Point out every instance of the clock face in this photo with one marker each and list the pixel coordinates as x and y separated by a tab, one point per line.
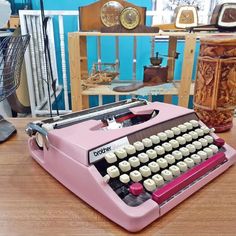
130	18
186	17
229	15
110	13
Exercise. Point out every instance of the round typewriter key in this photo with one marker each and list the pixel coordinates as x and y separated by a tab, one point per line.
143	157
162	162
191	148
189	162
182	166
202	154
184	151
124	178
196	158
209	139
136	189
121	153
160	150
169	158
113	171
134	162
181	140
187	137
106	178
194	123
219	142
203	141
205	129
174	143
110	157
214	148
149	185
200	132
177	154
145	171
188	125
147	142
183	128
193	134
130	149
197	145
154	167
139	146
169	133
212	130
176	130
175	170
135	176
151	154
158	180
167	175
155	139
162	136
167	147
124	166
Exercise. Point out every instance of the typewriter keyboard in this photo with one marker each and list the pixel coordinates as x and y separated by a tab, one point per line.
161	165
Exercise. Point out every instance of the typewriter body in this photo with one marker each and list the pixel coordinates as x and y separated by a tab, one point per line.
133	161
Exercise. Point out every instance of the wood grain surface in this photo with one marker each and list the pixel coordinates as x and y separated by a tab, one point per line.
33	203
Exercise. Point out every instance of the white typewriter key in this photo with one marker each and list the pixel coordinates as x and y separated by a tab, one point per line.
167	175
167	147
202	154
209	138
110	157
184	151
208	151
124	178
193	134
160	150
145	171
183	128
191	148
138	145
134	161
135	176
113	171
124	166
151	154
154	167
149	185
174	143
175	170
182	166
158	180
162	162
130	149
177	154
169	133
200	132
196	158
189	162
162	136
169	158
143	157
176	130
155	139
194	123
188	125
121	153
214	148
181	140
212	130
147	142
197	145
205	129
187	137
203	141
106	178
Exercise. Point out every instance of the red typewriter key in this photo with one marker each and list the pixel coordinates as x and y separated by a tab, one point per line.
136	189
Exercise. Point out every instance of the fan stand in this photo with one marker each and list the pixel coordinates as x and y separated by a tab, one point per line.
6	129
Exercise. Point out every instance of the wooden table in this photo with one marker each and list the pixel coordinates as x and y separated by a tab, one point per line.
34	203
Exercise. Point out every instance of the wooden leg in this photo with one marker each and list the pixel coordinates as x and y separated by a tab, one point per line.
85	101
168	99
187	70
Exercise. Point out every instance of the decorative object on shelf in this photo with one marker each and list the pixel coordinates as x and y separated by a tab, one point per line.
130	18
215	87
5	12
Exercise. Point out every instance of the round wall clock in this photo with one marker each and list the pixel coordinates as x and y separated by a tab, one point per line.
130	18
110	13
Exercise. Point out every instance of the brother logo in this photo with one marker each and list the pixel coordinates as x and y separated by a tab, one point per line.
102	151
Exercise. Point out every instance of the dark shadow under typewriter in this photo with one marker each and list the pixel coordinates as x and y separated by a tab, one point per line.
12	51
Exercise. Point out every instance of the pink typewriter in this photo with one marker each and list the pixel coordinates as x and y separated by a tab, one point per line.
133	161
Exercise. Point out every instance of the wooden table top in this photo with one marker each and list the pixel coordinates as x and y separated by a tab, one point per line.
33	203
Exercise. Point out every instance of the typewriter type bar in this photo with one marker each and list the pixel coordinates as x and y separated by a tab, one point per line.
169	190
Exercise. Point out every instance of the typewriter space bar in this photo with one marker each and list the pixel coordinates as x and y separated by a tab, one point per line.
187	178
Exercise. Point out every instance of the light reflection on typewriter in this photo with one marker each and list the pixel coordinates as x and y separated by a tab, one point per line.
133	161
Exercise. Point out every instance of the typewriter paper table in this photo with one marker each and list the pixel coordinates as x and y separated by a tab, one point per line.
34	203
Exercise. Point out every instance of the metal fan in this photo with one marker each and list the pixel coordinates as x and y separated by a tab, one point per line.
12	51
